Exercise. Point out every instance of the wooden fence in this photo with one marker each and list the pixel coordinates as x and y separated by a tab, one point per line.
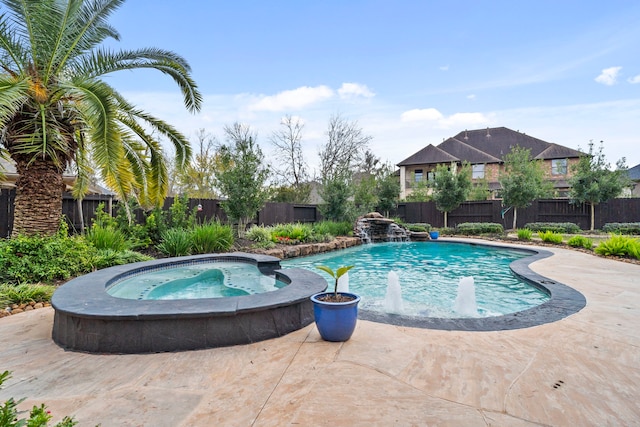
551	210
207	209
544	210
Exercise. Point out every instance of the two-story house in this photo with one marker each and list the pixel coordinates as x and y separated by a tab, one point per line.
484	150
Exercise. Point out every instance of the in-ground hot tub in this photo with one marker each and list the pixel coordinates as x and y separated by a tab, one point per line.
88	318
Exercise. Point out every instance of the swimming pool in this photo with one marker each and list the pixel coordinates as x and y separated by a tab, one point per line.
220	279
429	273
89	318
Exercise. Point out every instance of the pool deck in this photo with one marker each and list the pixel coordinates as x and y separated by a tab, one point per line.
583	370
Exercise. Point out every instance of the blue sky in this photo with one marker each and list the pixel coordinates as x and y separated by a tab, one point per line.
411	73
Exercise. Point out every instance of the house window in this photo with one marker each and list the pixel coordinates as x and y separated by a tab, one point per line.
417	175
559	167
431	176
477	171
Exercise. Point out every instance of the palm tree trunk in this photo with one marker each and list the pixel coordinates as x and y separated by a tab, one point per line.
38	202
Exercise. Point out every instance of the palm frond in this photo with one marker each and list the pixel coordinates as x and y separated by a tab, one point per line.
101	61
181	145
13	94
12	52
87	28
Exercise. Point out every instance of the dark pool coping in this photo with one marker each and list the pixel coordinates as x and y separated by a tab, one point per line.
88	319
564	301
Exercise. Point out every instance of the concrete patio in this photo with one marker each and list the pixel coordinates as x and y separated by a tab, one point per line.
582	370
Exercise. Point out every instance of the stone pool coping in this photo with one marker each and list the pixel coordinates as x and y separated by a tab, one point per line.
88	319
564	301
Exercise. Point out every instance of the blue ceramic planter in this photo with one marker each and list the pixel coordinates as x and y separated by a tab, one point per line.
434	235
336	321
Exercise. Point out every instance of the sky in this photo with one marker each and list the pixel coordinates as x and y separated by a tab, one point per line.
410	73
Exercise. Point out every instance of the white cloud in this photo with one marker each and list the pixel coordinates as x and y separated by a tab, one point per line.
352	90
293	99
471	96
634	80
465	119
421	115
434	116
444	68
608	76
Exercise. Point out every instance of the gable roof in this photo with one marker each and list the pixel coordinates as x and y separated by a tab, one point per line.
634	173
499	141
488	146
555	151
465	151
429	154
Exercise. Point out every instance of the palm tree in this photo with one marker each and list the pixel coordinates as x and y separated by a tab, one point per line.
56	111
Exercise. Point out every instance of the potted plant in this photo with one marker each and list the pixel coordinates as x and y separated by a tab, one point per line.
335	312
434	234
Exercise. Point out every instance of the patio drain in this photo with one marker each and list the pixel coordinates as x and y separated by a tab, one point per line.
558	384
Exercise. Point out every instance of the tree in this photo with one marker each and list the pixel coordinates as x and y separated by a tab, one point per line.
593	182
479	190
388	190
522	181
197	180
339	158
344	149
56	110
337	204
451	187
241	175
365	195
420	191
292	172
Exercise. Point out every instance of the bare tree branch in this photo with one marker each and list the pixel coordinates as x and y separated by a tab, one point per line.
288	144
344	149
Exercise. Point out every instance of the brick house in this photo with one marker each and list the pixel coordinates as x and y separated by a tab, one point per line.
484	150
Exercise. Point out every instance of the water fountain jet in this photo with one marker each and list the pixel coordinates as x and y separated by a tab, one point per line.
393	298
465	303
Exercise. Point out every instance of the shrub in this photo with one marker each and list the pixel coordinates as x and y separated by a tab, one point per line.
175	242
35	259
179	215
622	227
474	228
21	294
107	238
550	237
211	237
445	231
557	227
333	228
39	416
291	233
261	236
580	242
619	245
419	228
108	258
524	234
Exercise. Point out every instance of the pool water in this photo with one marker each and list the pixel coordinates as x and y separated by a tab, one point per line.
429	274
202	280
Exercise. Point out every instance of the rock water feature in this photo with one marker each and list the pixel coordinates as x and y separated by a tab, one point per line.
375	228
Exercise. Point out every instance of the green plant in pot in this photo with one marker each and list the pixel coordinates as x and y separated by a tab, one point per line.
336	313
